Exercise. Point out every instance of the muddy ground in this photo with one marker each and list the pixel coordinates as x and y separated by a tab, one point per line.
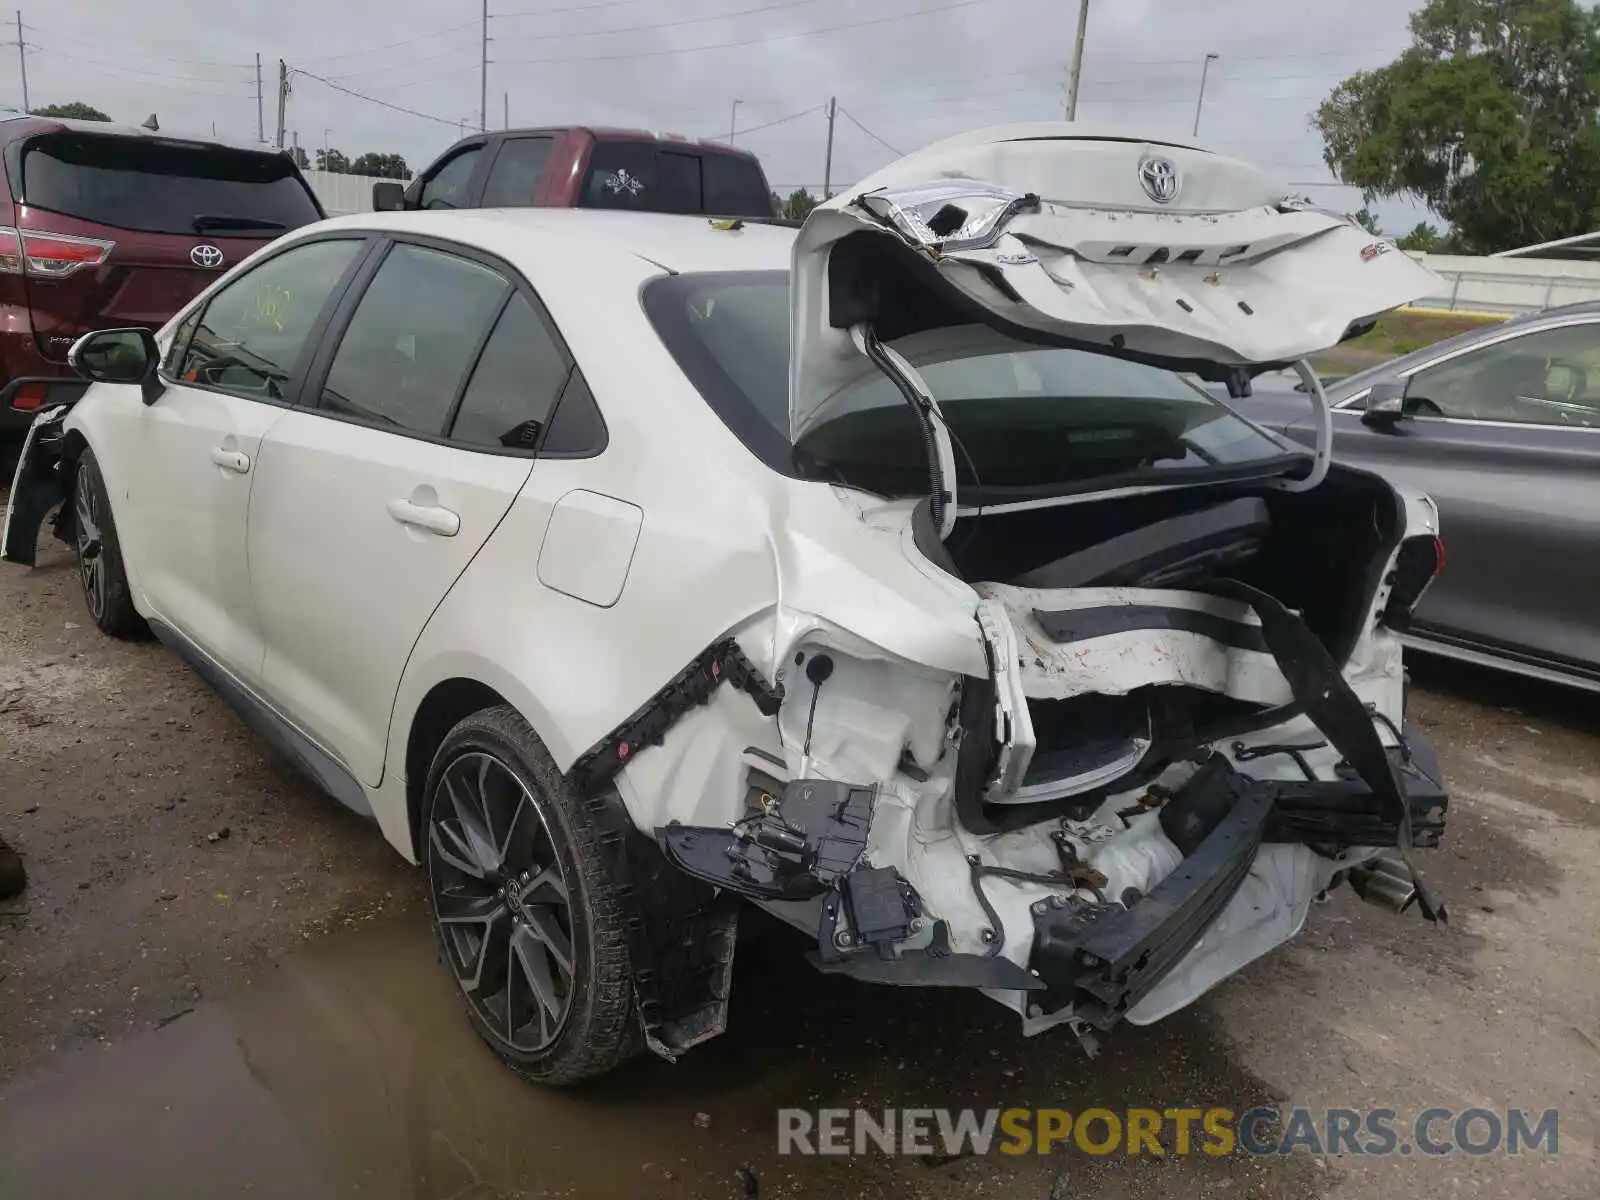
221	983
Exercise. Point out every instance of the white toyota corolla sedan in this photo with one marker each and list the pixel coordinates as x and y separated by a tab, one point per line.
892	576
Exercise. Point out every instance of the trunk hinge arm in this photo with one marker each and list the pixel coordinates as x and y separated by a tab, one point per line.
941	452
1323	454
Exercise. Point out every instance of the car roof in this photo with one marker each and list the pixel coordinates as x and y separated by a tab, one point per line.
12	128
670	241
612	133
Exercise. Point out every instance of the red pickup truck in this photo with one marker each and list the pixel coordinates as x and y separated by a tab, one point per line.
582	167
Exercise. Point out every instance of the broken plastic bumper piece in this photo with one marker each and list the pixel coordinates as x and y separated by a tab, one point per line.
1101	958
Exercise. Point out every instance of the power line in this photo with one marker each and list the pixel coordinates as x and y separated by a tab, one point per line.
421	37
783	120
410	112
101	62
781	37
869	132
98	45
673	24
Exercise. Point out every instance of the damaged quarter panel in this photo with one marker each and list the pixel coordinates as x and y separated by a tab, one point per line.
576	670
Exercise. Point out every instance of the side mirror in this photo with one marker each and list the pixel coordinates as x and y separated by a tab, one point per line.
1386	404
119	356
388	196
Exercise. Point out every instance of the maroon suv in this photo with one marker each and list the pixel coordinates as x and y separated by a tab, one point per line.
588	167
109	225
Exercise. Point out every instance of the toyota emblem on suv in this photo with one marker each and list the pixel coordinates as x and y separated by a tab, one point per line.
1159	178
210	257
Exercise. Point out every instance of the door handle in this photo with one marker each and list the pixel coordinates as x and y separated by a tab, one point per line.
432	517
231	460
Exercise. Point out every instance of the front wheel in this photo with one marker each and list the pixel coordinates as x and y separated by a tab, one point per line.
99	554
529	920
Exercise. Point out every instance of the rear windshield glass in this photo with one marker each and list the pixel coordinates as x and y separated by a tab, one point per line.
650	177
129	183
1025	419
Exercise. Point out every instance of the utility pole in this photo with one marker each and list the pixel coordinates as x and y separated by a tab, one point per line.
483	75
1205	69
22	55
283	97
506	97
261	120
733	120
1077	60
827	166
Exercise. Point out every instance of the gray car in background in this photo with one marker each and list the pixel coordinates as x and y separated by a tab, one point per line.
1501	427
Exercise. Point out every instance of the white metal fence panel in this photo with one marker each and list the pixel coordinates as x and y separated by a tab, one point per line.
342	194
1509	285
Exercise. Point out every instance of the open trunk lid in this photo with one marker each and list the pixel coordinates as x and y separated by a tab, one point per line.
1063	234
120	230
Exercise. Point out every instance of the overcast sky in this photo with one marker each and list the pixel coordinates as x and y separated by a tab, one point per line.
909	71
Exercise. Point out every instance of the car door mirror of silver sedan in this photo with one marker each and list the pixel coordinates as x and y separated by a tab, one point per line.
1386	404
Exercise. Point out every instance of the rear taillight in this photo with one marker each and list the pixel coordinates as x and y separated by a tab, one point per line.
30	397
1418	564
49	255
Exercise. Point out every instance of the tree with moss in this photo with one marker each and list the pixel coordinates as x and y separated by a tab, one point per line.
1489	118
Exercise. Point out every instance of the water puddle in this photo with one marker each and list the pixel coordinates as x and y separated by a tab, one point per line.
350	1071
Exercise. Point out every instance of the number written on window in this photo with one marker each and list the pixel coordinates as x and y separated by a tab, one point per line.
253	331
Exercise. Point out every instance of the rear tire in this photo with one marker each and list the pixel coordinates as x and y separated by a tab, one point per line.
528	916
99	553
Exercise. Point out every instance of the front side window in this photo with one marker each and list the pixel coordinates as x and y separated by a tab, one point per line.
412	340
1551	377
1026	420
253	332
448	187
515	385
516	173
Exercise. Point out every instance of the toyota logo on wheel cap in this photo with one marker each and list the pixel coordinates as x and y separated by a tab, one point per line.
1159	178
208	257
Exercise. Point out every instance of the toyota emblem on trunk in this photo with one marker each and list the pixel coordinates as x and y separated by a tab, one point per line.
1159	178
210	257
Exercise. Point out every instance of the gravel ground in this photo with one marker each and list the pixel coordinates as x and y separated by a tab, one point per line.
220	981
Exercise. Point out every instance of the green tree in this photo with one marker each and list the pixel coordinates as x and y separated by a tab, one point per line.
382	166
1422	237
332	160
76	111
1365	218
301	160
800	204
1489	119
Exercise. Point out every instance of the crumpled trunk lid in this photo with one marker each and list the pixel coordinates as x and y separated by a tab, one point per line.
1154	250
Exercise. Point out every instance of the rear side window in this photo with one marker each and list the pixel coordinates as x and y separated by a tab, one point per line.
414	335
515	385
131	183
516	172
734	187
253	331
448	188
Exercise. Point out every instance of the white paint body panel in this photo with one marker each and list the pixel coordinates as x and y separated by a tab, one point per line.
689	539
589	545
343	588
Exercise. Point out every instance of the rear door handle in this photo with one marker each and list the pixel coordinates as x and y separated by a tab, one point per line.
231	460
432	517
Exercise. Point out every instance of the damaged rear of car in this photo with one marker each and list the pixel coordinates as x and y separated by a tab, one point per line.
1177	716
904	584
